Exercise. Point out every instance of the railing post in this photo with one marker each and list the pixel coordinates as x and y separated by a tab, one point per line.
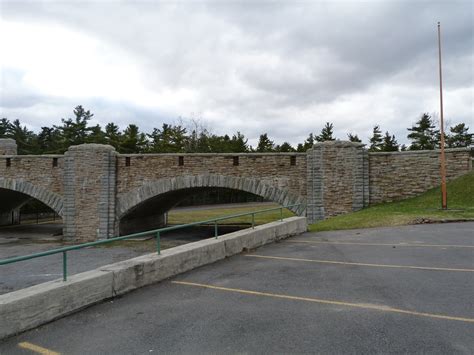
158	243
64	265
215	229
281	214
253	220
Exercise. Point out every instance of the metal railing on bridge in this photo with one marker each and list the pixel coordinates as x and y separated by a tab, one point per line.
155	233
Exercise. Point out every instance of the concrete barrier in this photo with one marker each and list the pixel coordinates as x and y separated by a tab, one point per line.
30	307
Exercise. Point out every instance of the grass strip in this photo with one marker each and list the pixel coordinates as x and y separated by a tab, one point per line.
425	208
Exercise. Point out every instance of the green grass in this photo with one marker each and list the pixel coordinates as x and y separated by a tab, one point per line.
183	217
423	208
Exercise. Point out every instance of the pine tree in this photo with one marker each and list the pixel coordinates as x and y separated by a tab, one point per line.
96	135
326	133
308	144
170	139
423	134
238	143
389	143
133	141
75	131
376	141
459	136
353	138
50	141
113	135
26	140
4	126
265	144
285	148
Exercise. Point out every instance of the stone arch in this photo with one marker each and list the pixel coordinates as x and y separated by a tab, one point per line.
50	199
128	201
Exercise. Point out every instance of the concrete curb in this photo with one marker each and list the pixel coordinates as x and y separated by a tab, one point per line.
30	307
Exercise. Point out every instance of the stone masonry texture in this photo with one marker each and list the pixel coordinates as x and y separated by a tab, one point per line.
399	175
92	187
335	178
8	146
31	175
271	168
89	178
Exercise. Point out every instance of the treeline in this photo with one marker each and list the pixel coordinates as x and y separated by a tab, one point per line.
179	139
423	136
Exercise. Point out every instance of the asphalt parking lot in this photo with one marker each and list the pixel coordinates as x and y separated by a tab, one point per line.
389	290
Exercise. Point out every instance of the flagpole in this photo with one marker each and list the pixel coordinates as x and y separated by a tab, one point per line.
444	199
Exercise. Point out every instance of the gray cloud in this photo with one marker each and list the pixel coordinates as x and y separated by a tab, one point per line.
279	67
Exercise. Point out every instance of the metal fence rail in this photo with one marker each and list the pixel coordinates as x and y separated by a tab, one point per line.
156	233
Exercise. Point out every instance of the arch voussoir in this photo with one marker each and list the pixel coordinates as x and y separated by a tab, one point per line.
50	199
130	200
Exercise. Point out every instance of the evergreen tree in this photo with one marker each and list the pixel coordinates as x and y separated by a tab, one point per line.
423	134
354	138
308	144
326	133
50	141
133	141
4	127
218	143
265	144
26	140
113	136
285	148
225	144
238	143
170	139
75	131
97	135
389	143
459	136
376	141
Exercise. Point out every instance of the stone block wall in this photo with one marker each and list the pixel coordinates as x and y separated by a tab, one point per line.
38	170
8	146
89	193
273	169
25	176
398	175
337	179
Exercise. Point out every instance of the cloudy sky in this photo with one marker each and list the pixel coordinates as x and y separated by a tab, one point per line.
282	67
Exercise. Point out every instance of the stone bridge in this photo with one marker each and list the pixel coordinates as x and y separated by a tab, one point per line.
100	193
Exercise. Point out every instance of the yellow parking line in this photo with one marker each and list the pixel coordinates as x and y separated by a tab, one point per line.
381	308
37	349
387	244
359	264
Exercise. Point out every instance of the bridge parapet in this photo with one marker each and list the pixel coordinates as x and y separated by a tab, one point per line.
44	171
281	170
8	146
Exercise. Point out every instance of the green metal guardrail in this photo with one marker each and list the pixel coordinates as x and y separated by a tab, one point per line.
155	232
